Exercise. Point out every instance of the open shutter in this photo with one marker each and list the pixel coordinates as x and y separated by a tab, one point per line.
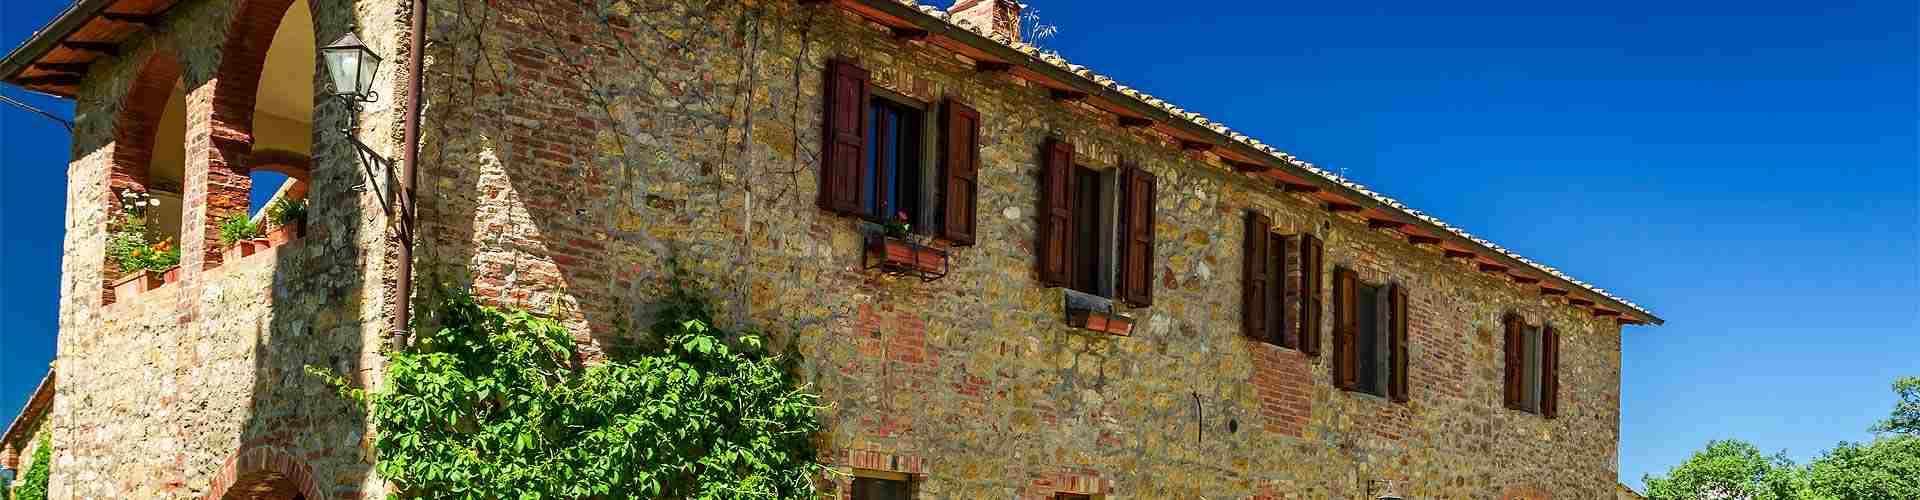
1550	377
1056	222
1397	343
1136	251
961	168
846	129
1516	371
1253	289
1346	329
1311	250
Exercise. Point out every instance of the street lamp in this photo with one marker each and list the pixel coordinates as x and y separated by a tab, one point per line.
351	67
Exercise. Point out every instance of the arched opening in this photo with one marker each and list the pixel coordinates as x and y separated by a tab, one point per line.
283	112
262	119
146	192
264	473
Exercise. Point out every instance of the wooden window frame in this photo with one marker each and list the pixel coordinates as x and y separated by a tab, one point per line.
1384	371
1531	352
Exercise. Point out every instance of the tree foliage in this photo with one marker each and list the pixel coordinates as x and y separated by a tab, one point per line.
1906	413
1730	469
492	404
1886	469
33	486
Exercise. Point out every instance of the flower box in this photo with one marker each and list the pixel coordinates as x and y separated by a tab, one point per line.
238	250
285	233
171	275
903	257
1100	321
135	283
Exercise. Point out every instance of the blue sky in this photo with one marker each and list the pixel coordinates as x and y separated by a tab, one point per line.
1749	170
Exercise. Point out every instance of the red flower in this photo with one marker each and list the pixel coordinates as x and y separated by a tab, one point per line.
901	215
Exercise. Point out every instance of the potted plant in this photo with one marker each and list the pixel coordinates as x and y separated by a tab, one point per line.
237	235
894	252
144	258
289	218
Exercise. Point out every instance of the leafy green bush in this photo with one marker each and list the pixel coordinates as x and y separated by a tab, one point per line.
492	404
287	212
238	228
33	486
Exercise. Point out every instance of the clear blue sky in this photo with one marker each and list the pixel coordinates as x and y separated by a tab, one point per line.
1746	169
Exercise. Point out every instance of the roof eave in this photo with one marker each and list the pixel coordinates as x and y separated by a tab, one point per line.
1007	54
36	46
38	403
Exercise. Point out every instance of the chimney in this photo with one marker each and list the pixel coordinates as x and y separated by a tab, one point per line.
1000	16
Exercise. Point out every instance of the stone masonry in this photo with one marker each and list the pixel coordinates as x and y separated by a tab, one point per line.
575	152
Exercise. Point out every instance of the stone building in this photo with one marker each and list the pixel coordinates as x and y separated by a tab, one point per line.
1099	294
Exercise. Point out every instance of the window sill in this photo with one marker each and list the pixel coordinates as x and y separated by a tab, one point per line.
1095	313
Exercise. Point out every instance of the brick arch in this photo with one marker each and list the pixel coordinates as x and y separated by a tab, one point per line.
293	165
134	130
264	473
221	189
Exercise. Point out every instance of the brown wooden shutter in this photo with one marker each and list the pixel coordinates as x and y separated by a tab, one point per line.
1136	250
1550	375
1311	251
961	172
1346	328
1253	289
1397	344
1056	223
846	136
1515	354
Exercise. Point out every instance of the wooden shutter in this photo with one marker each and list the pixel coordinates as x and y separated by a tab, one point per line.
1136	249
1311	251
1397	343
1550	374
1056	220
1253	288
1346	328
961	168
1516	360
846	136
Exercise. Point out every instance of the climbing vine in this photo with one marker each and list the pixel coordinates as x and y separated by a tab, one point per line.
33	486
493	403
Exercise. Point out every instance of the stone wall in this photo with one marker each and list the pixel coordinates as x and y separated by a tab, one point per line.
573	157
179	391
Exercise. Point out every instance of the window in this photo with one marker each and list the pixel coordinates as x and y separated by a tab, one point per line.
879	488
1532	357
1266	290
891	182
1370	344
1096	231
1092	232
882	161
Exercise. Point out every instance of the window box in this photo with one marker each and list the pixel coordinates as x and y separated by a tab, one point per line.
1100	321
898	256
285	233
1092	312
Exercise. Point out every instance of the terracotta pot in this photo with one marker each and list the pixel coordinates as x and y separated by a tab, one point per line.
133	284
281	235
238	250
171	275
901	253
260	244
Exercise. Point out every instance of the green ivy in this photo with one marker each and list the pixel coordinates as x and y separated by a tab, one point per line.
33	486
492	404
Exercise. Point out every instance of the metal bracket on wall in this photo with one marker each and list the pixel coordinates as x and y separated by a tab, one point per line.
391	201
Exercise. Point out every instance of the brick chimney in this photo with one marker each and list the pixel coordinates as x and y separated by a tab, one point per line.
1002	16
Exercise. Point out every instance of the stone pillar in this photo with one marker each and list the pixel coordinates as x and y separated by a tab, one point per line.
216	183
1001	16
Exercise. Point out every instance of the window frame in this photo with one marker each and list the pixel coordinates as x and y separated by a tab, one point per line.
926	213
1106	232
1373	346
1535	378
906	481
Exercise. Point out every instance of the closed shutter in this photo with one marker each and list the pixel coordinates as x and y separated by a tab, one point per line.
1056	224
1136	250
1311	251
961	172
1397	343
1550	362
846	129
1346	329
1253	290
1516	369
